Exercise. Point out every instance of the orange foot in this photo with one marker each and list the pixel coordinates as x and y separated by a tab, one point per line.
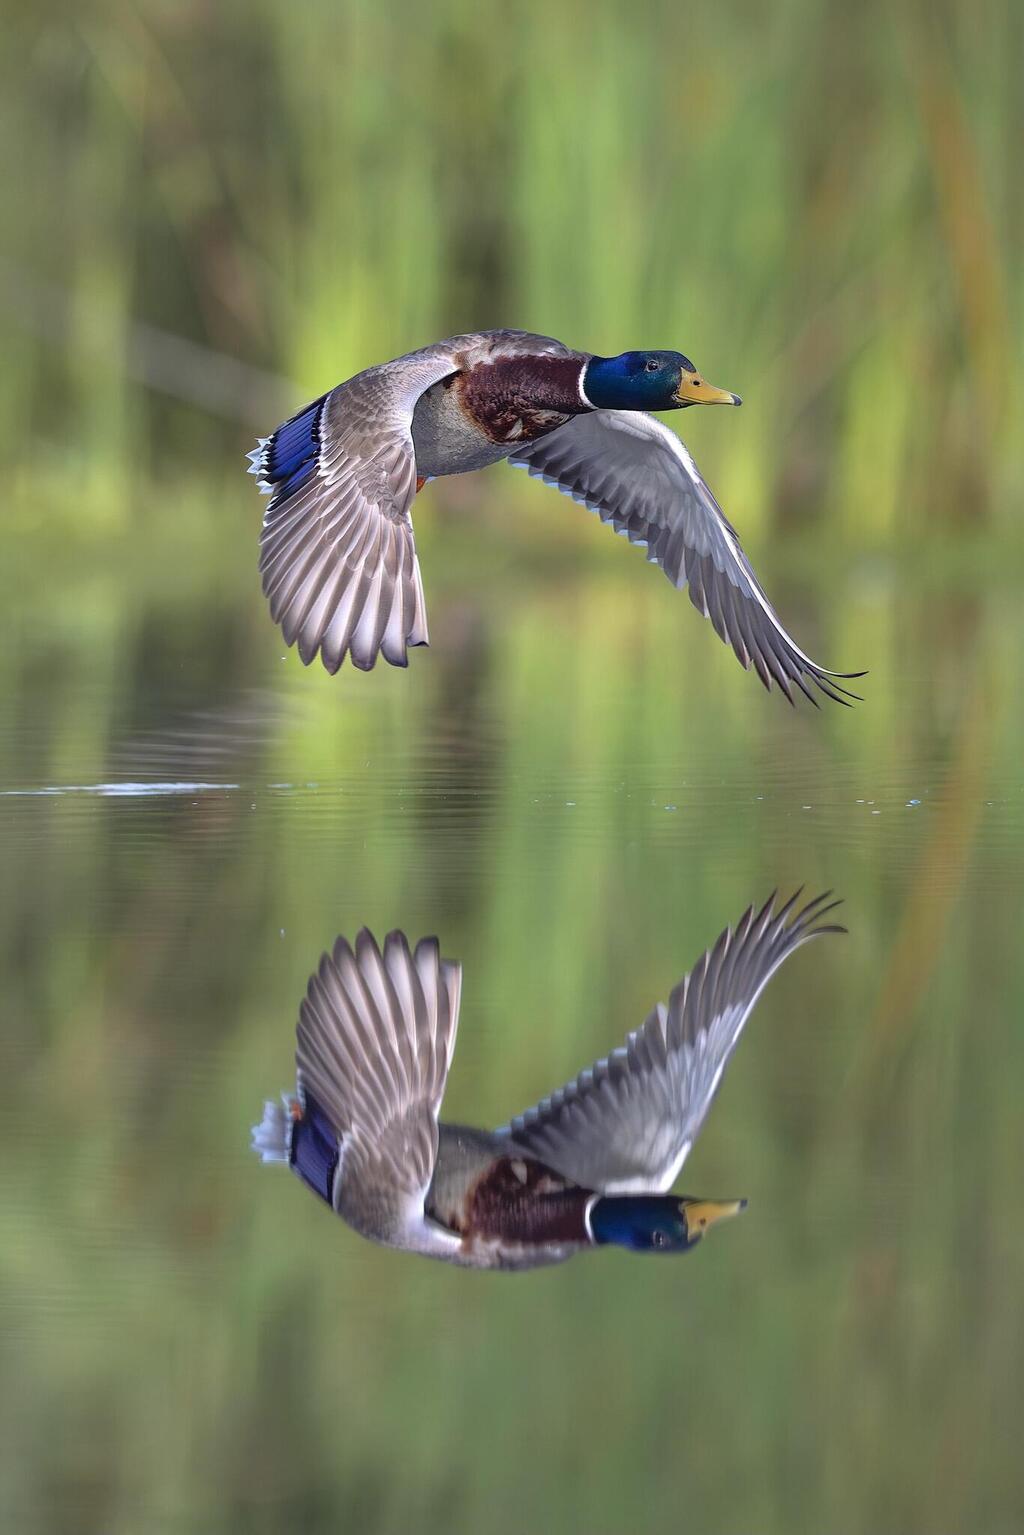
421	480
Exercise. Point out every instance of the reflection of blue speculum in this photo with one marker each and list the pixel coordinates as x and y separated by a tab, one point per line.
589	1166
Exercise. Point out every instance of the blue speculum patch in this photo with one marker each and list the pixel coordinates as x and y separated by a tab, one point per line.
292	451
314	1149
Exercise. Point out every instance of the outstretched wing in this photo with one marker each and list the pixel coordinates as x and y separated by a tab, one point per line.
337	553
626	1125
638	476
375	1040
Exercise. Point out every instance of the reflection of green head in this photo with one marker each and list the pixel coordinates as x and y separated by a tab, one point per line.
656	1222
649	381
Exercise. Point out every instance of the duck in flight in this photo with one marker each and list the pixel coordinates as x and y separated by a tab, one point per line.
590	1166
337	553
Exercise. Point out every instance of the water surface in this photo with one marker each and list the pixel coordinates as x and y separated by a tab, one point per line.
576	787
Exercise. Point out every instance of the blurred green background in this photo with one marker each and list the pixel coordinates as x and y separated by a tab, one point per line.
215	212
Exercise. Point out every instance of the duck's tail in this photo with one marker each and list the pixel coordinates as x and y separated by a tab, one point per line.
272	1137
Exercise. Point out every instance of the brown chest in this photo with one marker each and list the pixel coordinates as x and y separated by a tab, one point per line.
521	1201
517	399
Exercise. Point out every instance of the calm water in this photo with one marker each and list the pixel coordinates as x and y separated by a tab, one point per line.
575	788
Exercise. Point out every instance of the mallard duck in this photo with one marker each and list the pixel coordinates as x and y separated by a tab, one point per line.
337	553
590	1166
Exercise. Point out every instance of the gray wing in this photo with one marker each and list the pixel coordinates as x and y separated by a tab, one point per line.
627	1124
375	1040
638	476
337	553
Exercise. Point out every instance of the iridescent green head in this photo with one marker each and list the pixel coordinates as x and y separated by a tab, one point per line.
647	1223
649	381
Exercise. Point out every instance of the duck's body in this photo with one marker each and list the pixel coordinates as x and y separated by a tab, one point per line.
590	1166
338	557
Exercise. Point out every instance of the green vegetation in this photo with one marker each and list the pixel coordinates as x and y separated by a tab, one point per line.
820	203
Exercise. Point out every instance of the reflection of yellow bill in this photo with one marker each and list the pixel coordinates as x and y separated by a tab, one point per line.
701	1214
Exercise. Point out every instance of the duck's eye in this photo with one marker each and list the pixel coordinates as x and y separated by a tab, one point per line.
652	365
659	1239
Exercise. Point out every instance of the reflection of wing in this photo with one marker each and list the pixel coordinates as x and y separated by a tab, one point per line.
337	552
627	1124
639	477
375	1039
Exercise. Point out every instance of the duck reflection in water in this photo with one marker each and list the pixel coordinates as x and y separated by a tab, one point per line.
590	1166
